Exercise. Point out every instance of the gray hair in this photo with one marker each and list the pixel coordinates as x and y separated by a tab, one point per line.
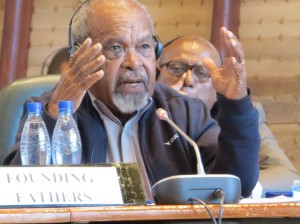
80	22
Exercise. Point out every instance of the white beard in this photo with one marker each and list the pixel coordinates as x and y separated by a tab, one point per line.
130	103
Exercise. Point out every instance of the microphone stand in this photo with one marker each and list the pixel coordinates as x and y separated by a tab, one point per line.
200	169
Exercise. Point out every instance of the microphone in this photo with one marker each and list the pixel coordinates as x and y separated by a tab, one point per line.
162	115
182	189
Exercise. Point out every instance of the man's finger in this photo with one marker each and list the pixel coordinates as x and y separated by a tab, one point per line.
85	45
93	78
209	65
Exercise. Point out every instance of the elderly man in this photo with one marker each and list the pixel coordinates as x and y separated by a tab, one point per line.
182	68
111	80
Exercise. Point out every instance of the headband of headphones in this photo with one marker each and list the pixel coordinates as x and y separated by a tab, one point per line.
73	46
171	41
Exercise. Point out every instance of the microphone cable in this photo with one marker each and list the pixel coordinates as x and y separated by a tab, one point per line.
205	206
218	194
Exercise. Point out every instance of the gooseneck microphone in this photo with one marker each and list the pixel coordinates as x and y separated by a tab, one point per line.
182	189
163	115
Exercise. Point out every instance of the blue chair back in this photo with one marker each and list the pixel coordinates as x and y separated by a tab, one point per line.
12	98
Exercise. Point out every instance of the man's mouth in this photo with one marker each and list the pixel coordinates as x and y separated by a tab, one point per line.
132	83
131	86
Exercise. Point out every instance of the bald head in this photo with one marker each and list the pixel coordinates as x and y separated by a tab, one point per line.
192	47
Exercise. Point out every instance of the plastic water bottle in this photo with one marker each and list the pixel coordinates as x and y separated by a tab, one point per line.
35	142
66	143
296	189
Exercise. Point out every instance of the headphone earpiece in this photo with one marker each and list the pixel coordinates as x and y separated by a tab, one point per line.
158	46
73	49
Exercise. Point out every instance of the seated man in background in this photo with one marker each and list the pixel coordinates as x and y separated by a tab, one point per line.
182	68
111	80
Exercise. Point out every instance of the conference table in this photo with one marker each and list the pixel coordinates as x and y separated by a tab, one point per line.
283	212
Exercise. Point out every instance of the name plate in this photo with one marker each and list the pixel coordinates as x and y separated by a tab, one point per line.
59	185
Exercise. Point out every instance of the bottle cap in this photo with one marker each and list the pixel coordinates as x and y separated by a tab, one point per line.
34	107
296	182
66	106
272	194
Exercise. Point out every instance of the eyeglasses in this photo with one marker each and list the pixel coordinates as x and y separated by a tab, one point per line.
177	69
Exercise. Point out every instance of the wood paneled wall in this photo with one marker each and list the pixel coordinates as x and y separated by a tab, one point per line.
269	32
1	19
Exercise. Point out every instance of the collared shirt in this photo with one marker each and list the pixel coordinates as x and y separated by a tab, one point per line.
123	143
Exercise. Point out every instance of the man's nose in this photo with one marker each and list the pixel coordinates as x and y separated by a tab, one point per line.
190	79
131	60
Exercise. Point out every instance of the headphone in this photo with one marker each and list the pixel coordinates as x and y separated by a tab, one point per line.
158	46
171	41
73	46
